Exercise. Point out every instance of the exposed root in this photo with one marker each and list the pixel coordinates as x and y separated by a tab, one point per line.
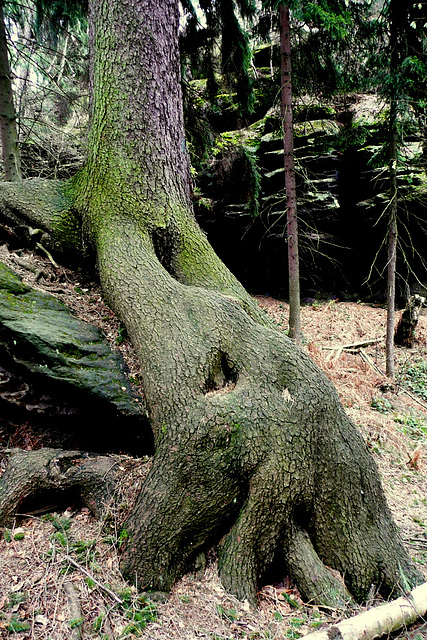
76	618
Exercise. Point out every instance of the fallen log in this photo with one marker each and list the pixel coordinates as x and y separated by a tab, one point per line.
380	620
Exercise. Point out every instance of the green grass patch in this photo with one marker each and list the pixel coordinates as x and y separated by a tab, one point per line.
414	426
414	378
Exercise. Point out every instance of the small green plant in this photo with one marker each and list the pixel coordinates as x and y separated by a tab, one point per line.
123	537
291	601
16	625
7	535
76	622
420	522
16	598
297	622
61	538
126	595
60	523
19	536
122	335
139	609
381	405
97	623
414	426
227	614
317	619
414	378
353	135
184	598
83	548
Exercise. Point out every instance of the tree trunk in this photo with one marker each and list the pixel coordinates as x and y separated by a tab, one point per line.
290	187
391	272
392	242
392	212
253	449
8	130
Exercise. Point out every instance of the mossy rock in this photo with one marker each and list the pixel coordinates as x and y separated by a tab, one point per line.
41	337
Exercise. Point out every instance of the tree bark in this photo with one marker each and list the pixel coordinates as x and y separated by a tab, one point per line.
8	130
397	16
30	474
290	187
44	210
253	450
392	244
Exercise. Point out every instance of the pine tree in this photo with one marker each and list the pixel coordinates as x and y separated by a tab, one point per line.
403	86
253	448
331	19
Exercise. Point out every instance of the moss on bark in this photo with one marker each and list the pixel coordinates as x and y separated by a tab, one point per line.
47	206
253	449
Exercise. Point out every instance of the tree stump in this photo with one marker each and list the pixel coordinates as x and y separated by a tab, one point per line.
405	331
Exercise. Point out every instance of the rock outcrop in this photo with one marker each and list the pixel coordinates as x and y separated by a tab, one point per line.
57	369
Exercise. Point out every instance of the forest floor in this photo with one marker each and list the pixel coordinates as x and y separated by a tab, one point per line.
43	596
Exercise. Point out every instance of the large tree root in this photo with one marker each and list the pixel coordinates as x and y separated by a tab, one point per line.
42	211
33	479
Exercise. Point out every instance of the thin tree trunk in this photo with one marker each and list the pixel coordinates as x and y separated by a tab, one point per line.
9	134
22	70
392	245
392	223
63	59
291	200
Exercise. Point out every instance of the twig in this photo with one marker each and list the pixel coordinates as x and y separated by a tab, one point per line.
355	345
372	364
89	575
369	360
49	255
358	348
411	395
338	353
416	542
